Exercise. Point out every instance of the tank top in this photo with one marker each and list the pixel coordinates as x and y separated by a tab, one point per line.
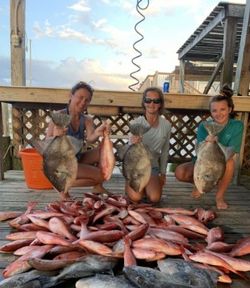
79	134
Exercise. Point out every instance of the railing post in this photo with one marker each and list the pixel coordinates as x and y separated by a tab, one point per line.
1	144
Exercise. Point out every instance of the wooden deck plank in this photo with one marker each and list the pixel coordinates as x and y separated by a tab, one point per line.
235	221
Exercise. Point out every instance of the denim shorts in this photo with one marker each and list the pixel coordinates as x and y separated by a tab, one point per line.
79	156
155	171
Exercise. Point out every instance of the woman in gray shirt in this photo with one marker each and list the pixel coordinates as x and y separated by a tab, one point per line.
157	141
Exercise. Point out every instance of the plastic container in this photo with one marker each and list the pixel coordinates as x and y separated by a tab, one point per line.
166	87
32	163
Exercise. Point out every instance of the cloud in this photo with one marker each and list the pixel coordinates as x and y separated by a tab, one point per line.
46	31
69	71
80	6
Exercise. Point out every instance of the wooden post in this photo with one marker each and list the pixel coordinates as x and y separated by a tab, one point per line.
242	76
181	76
229	41
214	74
18	77
1	145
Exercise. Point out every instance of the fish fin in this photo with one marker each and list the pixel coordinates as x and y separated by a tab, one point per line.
121	151
197	146
228	151
138	128
41	145
213	128
76	143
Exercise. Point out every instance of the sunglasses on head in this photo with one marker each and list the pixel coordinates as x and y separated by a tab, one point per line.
149	100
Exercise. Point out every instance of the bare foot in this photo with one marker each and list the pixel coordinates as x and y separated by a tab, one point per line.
99	189
221	204
64	196
195	193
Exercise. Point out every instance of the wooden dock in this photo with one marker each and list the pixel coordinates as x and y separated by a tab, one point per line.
235	221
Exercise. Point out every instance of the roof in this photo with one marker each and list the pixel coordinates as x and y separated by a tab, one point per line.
206	43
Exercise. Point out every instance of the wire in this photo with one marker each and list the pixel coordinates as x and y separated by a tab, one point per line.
139	54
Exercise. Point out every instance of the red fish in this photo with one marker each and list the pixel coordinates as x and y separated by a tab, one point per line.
5	215
211	259
14	245
129	257
56	225
104	236
205	216
158	245
21	264
21	235
107	157
95	247
242	247
236	263
51	238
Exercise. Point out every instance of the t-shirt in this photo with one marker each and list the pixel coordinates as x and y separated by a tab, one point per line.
156	139
229	136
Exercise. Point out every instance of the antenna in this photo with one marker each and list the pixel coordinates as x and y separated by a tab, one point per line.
138	8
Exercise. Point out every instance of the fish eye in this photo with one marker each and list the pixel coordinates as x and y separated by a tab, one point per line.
140	280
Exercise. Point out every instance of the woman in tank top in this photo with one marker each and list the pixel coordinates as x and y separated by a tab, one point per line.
82	126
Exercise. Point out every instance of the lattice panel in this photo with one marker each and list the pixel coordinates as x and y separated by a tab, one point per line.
29	124
35	123
183	136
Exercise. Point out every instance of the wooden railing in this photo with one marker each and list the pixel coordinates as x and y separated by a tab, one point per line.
31	107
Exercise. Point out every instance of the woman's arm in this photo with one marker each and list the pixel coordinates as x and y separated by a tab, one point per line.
92	133
165	154
54	130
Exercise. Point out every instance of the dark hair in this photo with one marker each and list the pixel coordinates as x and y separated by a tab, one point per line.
161	96
226	94
83	85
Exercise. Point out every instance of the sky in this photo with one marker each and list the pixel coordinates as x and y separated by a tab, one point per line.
92	40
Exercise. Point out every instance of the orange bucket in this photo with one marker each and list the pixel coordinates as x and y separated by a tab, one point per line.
32	163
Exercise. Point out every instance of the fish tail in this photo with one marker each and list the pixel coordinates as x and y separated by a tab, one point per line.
213	128
138	129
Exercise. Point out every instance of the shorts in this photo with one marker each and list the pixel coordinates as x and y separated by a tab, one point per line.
79	156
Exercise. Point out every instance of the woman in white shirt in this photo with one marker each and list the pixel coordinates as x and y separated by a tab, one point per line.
157	141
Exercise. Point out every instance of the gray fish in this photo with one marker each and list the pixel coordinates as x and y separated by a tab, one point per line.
197	276
59	162
93	264
146	277
104	281
25	280
136	166
210	165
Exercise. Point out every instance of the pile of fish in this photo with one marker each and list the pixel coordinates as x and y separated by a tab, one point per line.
135	245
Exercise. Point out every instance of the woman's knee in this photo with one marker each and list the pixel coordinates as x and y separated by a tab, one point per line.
132	195
179	173
184	172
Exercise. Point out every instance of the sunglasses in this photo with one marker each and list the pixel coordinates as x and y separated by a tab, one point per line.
149	100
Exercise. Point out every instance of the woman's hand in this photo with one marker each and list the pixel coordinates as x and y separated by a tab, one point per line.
59	131
104	127
211	138
133	139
